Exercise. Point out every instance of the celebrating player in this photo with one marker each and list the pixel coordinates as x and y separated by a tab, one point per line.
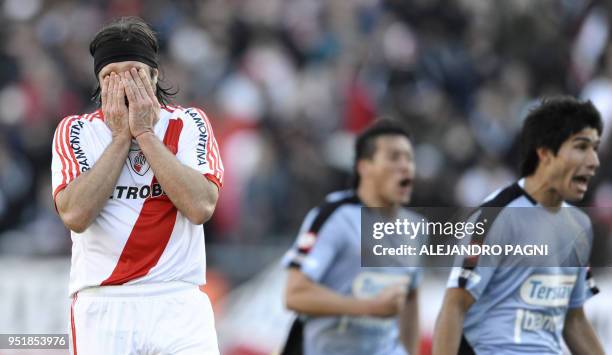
527	309
344	308
134	181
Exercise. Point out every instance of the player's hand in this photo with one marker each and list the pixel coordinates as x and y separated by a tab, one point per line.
113	106
388	302
144	107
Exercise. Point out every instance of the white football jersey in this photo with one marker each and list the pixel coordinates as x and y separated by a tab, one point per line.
139	236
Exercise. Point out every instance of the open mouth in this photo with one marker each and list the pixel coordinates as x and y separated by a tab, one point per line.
582	181
405	182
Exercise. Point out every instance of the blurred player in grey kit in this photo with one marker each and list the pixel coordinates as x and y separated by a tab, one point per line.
344	308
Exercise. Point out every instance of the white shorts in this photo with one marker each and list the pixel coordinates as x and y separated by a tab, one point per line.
160	318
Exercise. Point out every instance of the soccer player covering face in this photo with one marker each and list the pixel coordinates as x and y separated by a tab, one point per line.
529	309
344	308
134	181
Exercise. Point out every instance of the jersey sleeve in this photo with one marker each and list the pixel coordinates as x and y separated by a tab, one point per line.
473	280
314	251
71	154
198	146
584	288
476	272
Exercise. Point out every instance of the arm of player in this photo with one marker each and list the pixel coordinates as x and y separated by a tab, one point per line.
192	194
75	211
449	325
409	322
579	335
305	296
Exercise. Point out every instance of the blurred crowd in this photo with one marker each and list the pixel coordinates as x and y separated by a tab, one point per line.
288	83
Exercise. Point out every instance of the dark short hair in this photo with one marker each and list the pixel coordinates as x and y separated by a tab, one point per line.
551	123
133	29
365	145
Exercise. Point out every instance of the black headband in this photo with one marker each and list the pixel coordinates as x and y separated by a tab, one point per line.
120	51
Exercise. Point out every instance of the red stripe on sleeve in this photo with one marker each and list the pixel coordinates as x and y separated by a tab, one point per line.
214	180
76	171
210	137
60	155
220	169
57	191
60	151
64	149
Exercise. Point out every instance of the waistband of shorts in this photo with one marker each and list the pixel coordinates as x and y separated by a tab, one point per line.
148	289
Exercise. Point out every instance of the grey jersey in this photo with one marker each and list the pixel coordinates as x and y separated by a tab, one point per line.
328	251
521	309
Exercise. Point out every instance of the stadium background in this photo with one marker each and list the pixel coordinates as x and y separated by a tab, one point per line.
287	84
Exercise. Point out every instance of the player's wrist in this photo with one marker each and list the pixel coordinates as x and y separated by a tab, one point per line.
144	134
121	138
366	307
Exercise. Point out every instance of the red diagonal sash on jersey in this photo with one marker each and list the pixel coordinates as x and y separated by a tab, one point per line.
152	229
